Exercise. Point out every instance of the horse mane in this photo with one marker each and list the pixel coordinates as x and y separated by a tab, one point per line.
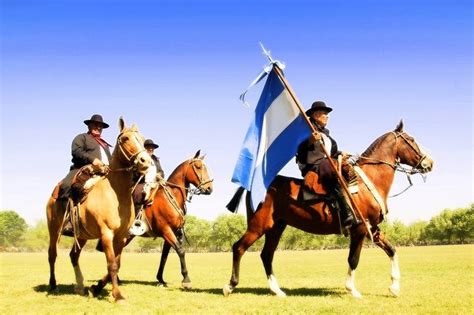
176	170
374	146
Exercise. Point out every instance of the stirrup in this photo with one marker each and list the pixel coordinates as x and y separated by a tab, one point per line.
68	229
138	228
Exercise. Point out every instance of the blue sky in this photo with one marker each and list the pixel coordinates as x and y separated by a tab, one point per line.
176	69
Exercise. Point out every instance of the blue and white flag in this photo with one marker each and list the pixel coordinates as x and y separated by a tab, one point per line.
272	139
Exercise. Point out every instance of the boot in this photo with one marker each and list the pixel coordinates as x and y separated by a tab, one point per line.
345	210
67	228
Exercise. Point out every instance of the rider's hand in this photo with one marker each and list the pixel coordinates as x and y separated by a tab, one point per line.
315	137
97	162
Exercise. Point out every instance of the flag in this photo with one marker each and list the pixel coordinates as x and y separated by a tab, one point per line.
272	139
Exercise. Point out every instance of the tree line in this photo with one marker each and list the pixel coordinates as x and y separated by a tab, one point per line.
451	226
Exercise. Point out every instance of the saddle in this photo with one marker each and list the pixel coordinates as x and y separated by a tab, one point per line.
85	179
312	190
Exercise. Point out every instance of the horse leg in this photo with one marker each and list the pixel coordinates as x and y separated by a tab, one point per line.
54	226
170	237
238	250
272	238
357	239
164	257
384	244
53	254
74	256
112	269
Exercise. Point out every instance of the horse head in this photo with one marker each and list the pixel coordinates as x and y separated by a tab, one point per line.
130	144
409	152
198	174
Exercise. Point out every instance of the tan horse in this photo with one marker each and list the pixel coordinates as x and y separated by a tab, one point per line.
107	212
281	207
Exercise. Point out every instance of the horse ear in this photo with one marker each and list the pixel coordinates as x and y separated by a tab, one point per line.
202	156
197	154
399	127
134	127
121	123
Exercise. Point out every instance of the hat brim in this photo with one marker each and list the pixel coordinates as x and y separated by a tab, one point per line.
154	146
312	110
104	125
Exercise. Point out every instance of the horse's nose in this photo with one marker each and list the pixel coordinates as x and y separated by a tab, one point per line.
427	164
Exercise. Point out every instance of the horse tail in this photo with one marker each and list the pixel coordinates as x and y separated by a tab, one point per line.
248	205
235	201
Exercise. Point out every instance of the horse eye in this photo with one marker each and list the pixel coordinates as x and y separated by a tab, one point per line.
124	138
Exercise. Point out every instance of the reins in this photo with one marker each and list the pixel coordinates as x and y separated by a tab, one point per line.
397	166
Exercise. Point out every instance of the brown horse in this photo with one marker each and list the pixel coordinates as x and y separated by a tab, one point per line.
106	213
281	208
166	215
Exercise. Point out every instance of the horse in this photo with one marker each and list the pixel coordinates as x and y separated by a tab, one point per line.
107	211
166	215
281	207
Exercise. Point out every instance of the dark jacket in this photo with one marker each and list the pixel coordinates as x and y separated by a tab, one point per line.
310	155
159	170
85	149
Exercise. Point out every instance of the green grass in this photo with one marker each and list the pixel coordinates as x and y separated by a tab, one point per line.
435	280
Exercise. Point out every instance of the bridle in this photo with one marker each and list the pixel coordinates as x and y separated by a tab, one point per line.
397	166
199	188
130	157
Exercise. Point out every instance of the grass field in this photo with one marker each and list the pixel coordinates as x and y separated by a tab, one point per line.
435	280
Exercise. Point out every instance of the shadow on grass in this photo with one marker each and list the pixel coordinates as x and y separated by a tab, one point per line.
266	291
68	289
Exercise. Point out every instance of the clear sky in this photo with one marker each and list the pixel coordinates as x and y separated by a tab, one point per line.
176	68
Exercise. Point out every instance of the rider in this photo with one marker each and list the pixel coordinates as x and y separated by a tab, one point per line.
144	187
311	158
86	148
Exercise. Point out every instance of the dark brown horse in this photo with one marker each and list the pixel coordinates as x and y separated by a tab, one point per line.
166	215
107	212
281	208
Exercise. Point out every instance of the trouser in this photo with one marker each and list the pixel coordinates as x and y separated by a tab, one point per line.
66	183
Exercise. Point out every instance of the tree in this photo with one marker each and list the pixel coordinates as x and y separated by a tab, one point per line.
12	228
440	227
463	223
226	230
198	233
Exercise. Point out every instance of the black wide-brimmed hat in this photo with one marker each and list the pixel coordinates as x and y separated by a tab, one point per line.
318	105
150	143
96	118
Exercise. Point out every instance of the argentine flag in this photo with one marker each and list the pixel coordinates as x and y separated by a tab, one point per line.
272	139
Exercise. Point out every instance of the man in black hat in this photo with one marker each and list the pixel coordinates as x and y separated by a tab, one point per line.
86	148
148	181
311	158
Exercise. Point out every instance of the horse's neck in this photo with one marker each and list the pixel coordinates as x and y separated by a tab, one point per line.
379	173
120	177
178	182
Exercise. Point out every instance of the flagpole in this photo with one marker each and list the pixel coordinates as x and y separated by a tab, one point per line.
323	148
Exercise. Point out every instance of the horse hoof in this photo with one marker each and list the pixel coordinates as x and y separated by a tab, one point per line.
278	293
227	290
394	291
162	284
121	301
354	293
95	290
186	285
80	290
